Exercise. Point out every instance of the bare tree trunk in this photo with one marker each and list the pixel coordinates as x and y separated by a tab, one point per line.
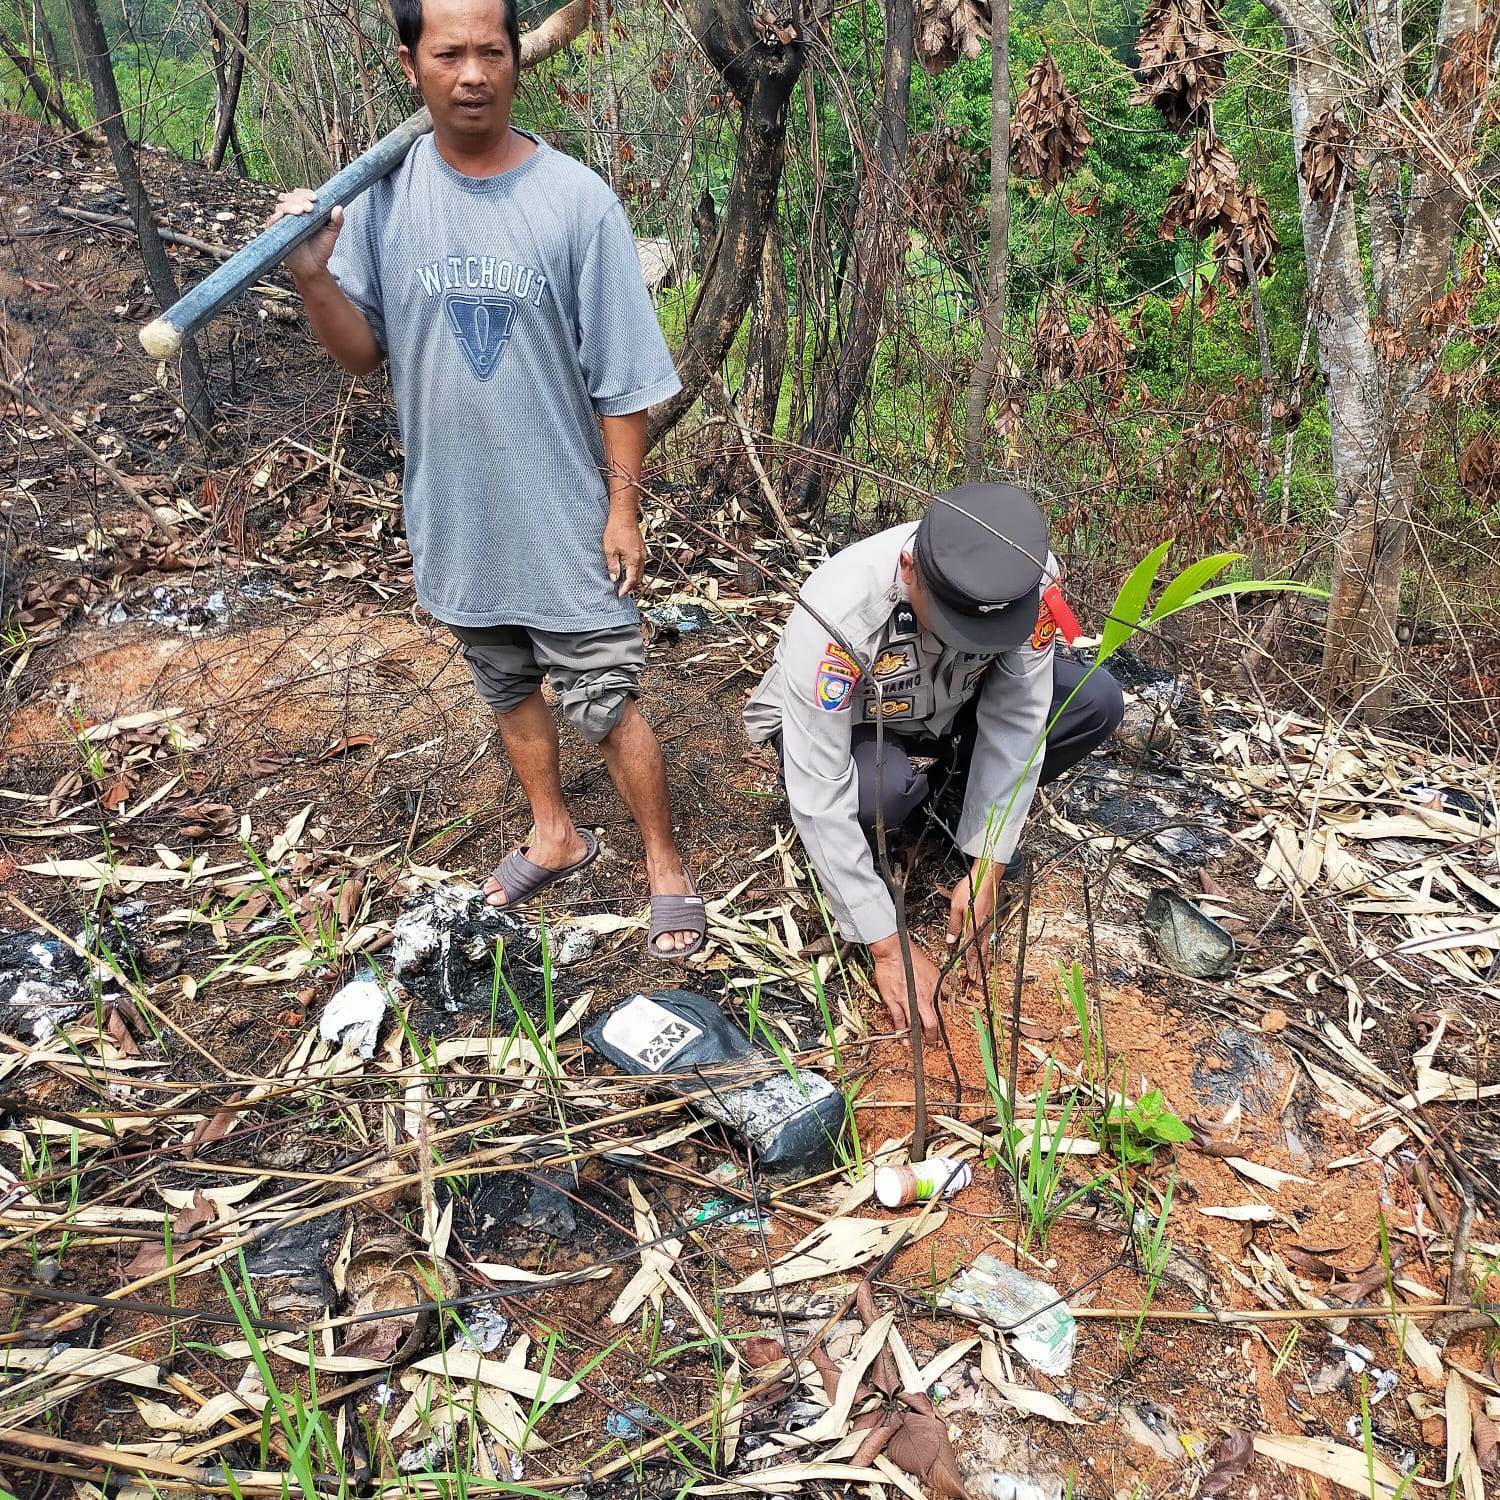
1336	291
41	28
319	161
612	120
229	73
880	235
94	46
765	347
1263	454
762	77
327	131
982	382
1377	387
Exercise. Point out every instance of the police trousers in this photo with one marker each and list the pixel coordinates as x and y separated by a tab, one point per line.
1089	720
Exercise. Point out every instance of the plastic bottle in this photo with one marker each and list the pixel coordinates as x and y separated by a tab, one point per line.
899	1186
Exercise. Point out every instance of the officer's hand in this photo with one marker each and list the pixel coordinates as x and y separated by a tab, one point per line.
625	553
890	982
972	911
311	257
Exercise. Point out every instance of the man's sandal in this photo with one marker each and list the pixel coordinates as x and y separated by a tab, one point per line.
523	880
677	914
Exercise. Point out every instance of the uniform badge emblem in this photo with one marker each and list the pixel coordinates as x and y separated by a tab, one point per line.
1046	628
904	621
888	662
845	663
833	688
837	674
482	325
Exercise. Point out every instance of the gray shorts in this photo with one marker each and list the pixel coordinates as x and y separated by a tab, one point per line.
593	671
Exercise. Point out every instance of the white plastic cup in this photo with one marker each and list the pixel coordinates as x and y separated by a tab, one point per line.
897	1187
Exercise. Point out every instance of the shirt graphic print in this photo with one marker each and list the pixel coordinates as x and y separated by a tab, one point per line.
481	297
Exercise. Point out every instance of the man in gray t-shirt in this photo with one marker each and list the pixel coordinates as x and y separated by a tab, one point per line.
500	279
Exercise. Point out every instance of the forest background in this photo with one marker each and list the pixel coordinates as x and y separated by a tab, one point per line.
1238	289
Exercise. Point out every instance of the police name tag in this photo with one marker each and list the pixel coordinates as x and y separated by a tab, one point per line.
650	1034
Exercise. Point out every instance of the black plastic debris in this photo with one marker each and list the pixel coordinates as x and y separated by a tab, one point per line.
1188	941
793	1118
46	983
452	952
679	619
495	1205
1232	1067
1181	816
289	1271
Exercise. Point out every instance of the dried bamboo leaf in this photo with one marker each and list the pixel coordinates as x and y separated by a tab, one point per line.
839	1245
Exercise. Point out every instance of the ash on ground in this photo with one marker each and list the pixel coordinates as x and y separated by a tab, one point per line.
46	983
452	952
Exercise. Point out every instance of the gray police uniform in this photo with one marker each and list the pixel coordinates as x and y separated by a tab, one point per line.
818	700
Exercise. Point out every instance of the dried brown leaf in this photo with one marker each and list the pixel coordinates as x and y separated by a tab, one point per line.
214	1128
1306	1260
189	1220
1486	1434
1048	135
1182	46
1231	1459
762	1351
119	1032
343	746
919	1444
1327	156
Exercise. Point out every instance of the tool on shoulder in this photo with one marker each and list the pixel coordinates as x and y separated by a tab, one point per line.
163	337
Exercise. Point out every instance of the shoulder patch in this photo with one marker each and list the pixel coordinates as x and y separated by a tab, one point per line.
837	674
836	653
1046	628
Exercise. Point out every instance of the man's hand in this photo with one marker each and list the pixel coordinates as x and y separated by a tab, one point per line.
972	911
624	552
310	258
890	982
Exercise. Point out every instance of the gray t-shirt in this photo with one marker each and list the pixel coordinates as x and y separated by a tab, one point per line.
514	315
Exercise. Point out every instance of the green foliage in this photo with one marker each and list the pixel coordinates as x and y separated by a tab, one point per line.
1136	1132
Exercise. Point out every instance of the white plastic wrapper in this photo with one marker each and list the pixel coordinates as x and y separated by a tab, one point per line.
1031	1314
351	1019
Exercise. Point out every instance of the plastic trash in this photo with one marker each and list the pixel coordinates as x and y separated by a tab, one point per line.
289	1272
1190	942
682	619
899	1186
446	945
351	1019
629	1422
1031	1314
719	1213
793	1119
46	983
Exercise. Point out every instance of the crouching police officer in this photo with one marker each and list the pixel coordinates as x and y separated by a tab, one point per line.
943	631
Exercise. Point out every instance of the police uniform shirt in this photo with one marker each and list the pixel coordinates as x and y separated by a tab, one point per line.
815	694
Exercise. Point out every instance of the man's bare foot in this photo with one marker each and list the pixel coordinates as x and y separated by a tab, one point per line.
556	851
